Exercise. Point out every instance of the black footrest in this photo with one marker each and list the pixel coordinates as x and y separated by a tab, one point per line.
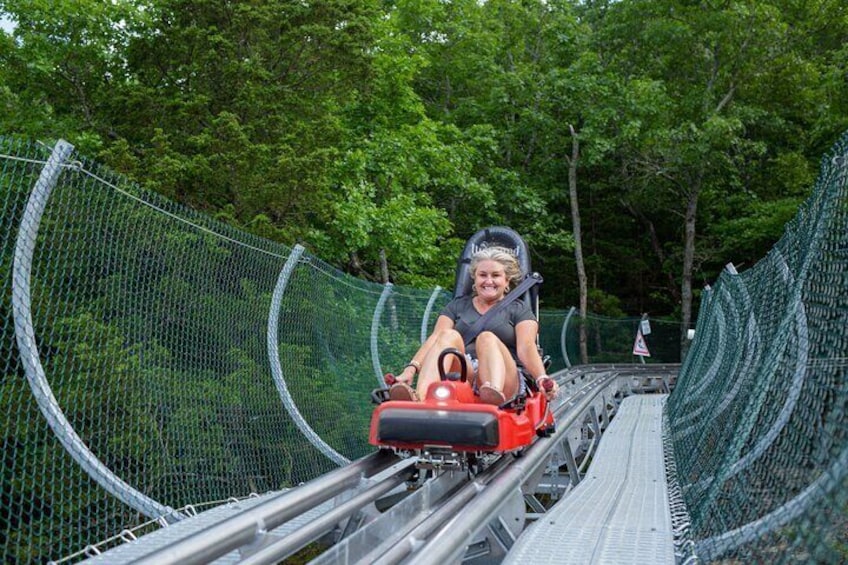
438	426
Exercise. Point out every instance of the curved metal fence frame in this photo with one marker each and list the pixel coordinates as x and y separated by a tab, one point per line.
30	358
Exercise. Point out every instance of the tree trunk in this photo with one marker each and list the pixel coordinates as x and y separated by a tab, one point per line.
384	267
688	266
578	243
354	265
384	275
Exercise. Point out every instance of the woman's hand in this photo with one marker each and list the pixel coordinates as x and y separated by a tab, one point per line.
548	386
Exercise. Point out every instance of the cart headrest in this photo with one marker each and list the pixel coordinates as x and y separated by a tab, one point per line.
495	236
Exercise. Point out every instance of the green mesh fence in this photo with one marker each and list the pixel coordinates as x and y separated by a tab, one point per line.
758	418
611	340
551	324
152	326
171	360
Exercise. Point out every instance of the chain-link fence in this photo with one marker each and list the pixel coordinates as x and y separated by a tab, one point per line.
758	418
613	340
154	358
163	359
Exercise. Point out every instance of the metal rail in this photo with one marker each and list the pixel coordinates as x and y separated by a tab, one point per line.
451	540
284	547
399	549
435	522
443	528
397	537
245	528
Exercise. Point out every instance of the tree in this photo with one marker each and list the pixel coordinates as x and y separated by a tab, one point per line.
573	161
709	63
699	125
59	66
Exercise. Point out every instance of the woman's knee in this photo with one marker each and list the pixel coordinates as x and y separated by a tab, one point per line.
486	340
450	336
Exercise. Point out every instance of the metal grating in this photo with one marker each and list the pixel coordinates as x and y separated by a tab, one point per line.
620	512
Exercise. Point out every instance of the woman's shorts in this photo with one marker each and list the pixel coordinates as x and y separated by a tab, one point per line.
474	365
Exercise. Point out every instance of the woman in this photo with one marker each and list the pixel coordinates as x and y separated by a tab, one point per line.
509	338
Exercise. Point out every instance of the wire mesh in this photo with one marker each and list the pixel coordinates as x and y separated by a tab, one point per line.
758	415
180	360
152	329
611	340
153	325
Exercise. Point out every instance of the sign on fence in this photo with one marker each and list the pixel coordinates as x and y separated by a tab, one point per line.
639	346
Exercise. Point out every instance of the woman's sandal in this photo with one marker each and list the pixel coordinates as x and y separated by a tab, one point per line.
491	395
402	391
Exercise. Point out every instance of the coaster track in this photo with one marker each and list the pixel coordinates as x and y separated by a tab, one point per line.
382	509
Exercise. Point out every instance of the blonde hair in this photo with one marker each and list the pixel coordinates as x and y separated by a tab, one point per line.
503	256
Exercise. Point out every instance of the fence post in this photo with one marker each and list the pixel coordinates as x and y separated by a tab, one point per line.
562	338
30	358
276	367
425	321
375	330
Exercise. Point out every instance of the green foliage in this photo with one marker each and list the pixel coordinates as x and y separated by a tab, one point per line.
359	128
390	186
355	126
605	304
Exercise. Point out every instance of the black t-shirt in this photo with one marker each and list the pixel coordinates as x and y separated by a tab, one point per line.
502	324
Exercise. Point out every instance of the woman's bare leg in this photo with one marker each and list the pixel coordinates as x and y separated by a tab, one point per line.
497	367
430	367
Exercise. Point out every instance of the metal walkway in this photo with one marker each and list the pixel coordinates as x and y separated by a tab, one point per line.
619	513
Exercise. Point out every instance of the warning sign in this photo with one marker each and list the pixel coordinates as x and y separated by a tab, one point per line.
639	346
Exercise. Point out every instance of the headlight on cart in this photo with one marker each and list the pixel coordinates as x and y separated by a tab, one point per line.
442	393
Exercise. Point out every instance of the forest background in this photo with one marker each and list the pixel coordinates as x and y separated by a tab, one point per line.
381	134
